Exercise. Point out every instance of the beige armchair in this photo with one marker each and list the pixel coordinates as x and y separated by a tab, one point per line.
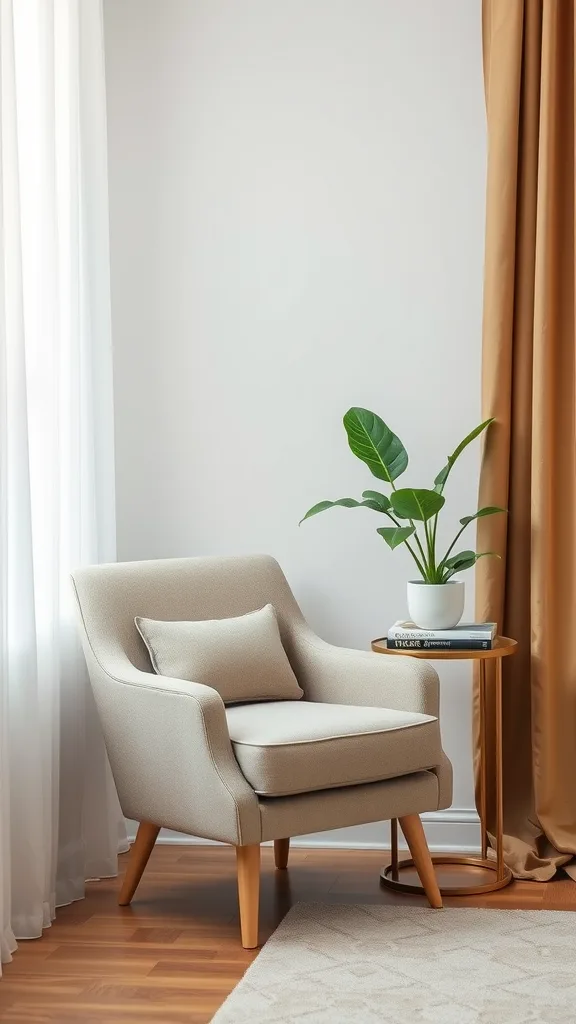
183	760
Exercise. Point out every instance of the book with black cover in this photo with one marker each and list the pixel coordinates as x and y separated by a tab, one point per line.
431	644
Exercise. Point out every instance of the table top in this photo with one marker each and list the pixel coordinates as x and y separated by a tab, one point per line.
501	647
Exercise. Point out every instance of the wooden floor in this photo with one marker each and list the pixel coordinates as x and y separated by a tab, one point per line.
174	954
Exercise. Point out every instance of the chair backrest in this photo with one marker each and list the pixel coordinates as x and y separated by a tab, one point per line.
176	589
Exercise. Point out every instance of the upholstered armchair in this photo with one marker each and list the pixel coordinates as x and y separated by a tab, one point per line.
246	774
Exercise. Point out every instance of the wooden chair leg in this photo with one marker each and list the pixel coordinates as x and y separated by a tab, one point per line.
139	856
281	851
412	829
248	865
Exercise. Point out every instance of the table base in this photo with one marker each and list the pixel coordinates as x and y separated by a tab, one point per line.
386	876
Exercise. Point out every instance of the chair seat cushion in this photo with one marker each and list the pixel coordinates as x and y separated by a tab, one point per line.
301	746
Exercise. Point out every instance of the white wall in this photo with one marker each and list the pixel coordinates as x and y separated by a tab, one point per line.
297	203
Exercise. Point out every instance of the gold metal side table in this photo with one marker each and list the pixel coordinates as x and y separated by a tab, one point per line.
390	875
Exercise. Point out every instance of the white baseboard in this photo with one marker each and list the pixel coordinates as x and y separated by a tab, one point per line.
455	830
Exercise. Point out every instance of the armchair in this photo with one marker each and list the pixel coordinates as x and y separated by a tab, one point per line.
362	745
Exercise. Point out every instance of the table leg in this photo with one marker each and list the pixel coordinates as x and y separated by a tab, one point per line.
394	848
483	759
499	775
501	875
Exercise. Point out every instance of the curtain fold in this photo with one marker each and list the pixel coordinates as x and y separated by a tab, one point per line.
60	821
529	386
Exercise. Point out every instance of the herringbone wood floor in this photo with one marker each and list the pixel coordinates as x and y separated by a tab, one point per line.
174	955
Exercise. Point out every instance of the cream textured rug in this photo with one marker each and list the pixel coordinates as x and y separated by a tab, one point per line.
340	964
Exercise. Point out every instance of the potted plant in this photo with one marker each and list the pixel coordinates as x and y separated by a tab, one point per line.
435	600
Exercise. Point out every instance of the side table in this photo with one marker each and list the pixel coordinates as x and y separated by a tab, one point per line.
390	875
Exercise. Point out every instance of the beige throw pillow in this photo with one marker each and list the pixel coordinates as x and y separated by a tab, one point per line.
243	658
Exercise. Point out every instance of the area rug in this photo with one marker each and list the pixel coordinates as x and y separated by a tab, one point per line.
340	964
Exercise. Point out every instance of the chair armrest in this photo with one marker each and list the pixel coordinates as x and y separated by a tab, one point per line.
171	755
339	675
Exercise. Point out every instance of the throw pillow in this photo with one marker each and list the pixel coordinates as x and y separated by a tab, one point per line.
243	658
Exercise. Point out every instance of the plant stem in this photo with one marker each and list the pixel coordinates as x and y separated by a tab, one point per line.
431	554
459	534
421	568
420	548
434	529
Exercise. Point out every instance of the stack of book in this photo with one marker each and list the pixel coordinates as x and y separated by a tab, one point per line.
467	636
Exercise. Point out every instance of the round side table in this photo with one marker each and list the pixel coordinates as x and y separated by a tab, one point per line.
391	875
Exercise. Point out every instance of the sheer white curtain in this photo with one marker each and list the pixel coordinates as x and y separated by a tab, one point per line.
60	821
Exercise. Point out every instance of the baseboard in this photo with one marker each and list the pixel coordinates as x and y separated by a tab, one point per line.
454	830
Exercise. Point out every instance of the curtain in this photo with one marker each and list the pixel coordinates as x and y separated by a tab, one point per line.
529	385
60	821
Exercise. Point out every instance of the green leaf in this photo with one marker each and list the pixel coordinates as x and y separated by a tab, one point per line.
345	502
445	472
374	443
395	535
489	510
463	560
418	504
381	500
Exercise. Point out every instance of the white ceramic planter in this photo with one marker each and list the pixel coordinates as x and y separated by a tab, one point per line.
436	606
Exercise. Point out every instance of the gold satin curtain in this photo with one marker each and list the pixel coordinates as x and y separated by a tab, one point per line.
529	385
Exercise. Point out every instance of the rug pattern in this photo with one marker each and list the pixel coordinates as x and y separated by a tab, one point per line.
339	964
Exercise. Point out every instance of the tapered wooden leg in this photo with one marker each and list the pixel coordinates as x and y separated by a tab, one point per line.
281	851
248	865
412	829
394	847
139	855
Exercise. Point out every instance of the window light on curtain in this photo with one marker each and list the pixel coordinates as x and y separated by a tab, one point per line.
60	822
